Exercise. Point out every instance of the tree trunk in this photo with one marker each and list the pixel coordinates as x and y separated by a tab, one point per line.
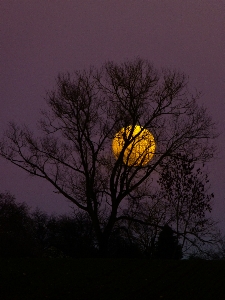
103	243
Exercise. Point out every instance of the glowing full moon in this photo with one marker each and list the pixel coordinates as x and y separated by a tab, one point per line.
141	148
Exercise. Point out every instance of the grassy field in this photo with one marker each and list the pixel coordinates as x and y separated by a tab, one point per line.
111	279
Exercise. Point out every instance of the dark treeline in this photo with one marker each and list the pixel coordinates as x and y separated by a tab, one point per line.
37	234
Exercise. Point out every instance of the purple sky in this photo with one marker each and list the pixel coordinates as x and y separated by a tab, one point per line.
39	39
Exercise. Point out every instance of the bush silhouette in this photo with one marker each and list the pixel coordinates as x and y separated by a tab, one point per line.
167	246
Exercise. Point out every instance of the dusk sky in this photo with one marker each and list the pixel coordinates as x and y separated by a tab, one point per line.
41	38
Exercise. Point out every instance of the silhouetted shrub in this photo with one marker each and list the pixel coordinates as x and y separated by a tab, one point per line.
167	246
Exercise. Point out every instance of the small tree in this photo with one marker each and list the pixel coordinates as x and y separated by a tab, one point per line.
188	202
183	200
85	113
167	246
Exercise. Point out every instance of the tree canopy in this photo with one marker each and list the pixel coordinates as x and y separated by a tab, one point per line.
85	112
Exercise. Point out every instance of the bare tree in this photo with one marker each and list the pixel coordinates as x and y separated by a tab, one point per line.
86	110
189	202
184	202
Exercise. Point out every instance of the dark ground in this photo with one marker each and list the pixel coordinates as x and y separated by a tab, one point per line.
62	278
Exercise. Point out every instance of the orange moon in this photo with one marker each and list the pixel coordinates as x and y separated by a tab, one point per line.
141	148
